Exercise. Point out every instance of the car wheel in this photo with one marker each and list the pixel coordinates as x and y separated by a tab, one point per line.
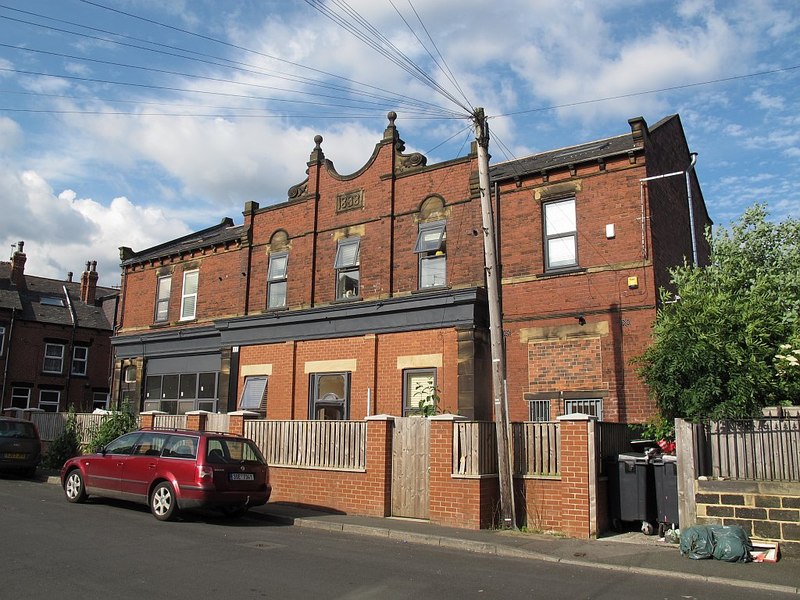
162	502
73	487
235	511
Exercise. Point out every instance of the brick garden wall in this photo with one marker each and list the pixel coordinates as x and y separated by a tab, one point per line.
765	510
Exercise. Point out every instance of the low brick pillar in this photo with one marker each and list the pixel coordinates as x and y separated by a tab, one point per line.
147	419
237	419
379	464
578	476
196	420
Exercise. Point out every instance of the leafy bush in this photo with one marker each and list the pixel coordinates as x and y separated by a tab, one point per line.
113	426
65	446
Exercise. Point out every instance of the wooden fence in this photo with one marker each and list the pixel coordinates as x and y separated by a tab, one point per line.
757	450
474	448
169	421
535	448
340	445
218	422
50	425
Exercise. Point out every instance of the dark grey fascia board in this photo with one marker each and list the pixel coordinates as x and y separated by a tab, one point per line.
449	308
167	342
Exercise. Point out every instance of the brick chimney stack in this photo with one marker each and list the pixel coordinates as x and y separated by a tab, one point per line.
18	265
89	283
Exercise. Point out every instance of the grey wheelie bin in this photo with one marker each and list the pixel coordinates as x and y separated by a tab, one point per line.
665	474
630	487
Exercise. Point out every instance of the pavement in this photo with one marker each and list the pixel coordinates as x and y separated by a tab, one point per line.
629	552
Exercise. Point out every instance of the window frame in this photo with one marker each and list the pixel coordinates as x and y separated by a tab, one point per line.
128	369
537	409
187	315
316	402
60	358
163	293
408	407
97	403
14	394
2	339
431	252
595	403
47	403
560	235
80	361
261	395
277	280
344	268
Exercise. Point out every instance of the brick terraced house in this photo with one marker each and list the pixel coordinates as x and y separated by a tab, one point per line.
365	293
55	339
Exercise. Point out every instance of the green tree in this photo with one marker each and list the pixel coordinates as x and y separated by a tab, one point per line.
724	343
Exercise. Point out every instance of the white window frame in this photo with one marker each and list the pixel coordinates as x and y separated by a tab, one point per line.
347	264
45	404
189	294
16	395
129	374
82	362
431	247
163	292
277	279
560	234
50	356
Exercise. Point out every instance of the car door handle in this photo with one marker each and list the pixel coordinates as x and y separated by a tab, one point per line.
152	465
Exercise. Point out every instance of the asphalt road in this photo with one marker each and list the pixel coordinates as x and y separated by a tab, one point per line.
114	550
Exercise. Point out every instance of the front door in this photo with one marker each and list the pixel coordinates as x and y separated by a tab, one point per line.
411	467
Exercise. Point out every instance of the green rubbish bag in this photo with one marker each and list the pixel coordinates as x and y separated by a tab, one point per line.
728	543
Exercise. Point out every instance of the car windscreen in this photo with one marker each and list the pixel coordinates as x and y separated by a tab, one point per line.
230	450
17	429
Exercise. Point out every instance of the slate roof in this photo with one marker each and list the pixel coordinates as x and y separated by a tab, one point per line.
570	155
222	233
42	300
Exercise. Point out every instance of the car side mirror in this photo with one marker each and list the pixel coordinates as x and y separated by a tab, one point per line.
103	450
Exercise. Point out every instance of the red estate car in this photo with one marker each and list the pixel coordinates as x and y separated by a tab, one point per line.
173	470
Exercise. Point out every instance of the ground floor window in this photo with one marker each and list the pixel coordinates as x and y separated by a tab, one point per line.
179	393
539	410
99	400
254	394
20	397
329	396
419	391
587	406
49	400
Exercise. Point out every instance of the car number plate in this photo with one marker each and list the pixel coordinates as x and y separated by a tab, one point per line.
15	455
241	477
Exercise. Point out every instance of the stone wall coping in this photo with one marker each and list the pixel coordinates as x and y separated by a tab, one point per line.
152	412
447	417
248	414
380	418
577	417
198	412
766	488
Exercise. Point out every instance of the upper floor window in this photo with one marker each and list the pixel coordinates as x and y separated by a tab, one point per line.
560	230
276	280
53	358
348	273
431	248
189	295
162	297
330	396
130	374
80	360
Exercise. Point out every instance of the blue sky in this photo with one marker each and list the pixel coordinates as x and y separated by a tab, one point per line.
131	122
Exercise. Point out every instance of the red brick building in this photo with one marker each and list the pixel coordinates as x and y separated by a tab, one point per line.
55	339
364	293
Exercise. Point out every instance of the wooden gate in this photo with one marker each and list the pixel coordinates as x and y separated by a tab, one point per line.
411	467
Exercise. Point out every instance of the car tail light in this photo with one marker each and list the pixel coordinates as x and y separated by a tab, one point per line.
204	472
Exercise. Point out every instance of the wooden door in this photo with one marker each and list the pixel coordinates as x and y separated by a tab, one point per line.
410	467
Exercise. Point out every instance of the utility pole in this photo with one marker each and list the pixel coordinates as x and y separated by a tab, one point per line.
495	325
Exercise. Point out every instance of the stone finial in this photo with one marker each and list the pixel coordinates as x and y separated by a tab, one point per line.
317	156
